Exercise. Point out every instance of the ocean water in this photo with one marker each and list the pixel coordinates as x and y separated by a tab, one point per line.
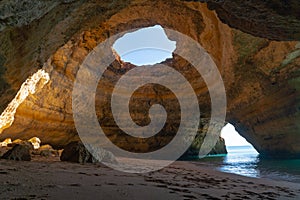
245	161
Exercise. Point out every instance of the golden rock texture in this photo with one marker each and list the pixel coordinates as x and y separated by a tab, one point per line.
261	76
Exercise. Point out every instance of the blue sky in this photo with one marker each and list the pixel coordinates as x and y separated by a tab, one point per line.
150	45
146	46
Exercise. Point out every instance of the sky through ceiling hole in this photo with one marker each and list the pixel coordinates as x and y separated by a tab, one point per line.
146	46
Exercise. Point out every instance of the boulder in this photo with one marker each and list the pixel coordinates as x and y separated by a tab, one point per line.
20	152
76	152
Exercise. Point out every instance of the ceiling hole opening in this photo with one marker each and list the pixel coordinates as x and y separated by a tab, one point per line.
146	46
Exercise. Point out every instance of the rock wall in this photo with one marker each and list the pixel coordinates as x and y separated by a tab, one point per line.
272	19
265	104
260	75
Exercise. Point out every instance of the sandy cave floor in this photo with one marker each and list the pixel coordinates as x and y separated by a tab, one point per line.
44	178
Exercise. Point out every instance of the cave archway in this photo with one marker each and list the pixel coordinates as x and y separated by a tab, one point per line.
261	76
232	137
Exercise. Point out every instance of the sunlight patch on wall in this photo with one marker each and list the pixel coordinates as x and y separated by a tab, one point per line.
28	87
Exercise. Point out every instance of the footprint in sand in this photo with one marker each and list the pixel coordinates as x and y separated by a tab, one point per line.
75	185
189	196
208	197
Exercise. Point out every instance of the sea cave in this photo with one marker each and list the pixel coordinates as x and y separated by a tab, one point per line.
255	46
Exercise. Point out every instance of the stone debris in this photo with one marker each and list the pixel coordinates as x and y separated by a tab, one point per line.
45	151
76	152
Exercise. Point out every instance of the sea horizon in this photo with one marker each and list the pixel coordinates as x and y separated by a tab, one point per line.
245	160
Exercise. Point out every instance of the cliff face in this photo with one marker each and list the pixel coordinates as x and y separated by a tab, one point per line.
274	19
260	75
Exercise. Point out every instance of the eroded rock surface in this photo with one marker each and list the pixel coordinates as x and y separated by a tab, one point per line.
261	76
272	19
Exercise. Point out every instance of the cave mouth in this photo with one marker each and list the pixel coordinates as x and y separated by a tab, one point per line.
241	156
234	142
146	46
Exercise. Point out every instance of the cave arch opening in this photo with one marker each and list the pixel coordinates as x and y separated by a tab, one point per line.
234	142
241	158
146	46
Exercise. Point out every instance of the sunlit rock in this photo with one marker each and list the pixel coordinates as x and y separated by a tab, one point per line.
35	141
47	151
5	142
27	88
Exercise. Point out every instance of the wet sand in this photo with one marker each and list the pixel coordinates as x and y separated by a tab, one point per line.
52	179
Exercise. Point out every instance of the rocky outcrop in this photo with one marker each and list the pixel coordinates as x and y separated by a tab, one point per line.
272	19
263	106
219	148
193	151
260	75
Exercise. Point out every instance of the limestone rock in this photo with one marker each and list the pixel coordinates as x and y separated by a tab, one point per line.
3	150
46	151
17	141
76	152
19	153
260	76
281	17
35	141
193	151
21	142
6	142
220	147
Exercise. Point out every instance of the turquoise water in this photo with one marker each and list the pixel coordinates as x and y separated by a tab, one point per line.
244	160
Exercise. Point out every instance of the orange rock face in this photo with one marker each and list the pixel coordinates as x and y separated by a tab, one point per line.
260	75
